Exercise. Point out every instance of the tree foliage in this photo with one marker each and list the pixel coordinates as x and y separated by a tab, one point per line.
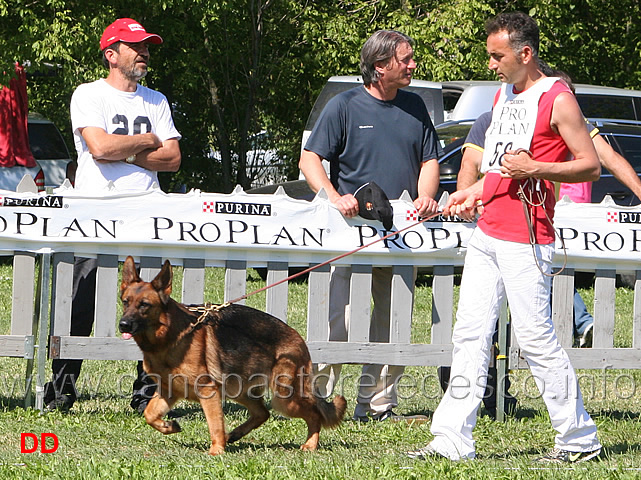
595	42
232	68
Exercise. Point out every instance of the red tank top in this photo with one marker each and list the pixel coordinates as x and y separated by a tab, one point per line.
503	215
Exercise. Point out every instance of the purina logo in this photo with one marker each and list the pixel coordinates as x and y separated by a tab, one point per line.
411	216
623	217
236	208
46	202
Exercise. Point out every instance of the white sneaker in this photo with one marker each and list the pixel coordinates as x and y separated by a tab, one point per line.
558	455
425	452
585	341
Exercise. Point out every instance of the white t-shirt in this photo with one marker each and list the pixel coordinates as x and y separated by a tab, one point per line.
98	104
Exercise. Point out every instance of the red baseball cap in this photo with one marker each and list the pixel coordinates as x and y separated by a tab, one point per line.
127	30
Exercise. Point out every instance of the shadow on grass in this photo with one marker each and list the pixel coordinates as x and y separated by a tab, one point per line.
616	415
244	447
12	403
609	452
525	413
620	449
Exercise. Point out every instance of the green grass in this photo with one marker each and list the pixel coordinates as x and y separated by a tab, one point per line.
103	438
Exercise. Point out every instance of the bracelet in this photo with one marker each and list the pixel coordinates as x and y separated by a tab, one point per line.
130	159
526	151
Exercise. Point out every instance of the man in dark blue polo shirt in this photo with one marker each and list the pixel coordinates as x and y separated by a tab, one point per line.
374	133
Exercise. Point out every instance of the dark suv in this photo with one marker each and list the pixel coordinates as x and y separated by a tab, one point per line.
624	138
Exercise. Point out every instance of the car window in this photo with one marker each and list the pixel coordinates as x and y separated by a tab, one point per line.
448	136
451	138
449	99
454	157
46	142
607	106
629	146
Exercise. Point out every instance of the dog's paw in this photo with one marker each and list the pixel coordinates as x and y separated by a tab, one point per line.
170	427
216	449
311	444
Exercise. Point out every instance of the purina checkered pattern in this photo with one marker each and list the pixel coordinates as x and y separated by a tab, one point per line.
412	216
208	207
613	217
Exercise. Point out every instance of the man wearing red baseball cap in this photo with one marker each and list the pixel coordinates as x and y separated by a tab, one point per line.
127	30
124	134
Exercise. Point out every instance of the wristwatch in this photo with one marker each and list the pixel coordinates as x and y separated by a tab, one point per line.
130	159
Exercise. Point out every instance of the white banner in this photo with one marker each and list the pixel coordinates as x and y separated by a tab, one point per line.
261	228
603	235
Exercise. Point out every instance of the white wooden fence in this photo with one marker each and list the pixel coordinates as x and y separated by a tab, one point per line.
34	305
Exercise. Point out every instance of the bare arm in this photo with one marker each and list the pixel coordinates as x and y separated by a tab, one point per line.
617	165
568	121
150	152
166	158
428	181
470	168
311	165
464	203
112	147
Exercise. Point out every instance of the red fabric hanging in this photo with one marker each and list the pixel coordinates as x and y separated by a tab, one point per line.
14	136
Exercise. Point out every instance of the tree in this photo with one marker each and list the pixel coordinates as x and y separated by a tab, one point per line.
233	68
211	68
595	42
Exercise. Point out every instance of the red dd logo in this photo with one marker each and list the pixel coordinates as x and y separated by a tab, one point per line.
29	442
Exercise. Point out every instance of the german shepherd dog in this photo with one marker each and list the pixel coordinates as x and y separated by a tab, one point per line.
233	351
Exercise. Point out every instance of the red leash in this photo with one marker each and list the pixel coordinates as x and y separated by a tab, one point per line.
307	270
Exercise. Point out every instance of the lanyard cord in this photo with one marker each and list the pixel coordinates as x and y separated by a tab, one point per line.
529	206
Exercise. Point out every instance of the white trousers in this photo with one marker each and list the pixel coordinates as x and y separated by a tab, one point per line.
493	270
377	383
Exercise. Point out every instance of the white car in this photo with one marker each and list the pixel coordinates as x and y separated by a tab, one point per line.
468	99
430	93
460	103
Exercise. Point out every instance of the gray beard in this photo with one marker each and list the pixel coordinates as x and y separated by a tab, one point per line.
134	74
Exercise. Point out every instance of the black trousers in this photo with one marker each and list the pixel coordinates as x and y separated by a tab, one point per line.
65	372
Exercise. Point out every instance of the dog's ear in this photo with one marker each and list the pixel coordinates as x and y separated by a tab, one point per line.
129	274
162	282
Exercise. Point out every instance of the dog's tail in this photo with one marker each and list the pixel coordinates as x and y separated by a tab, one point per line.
332	413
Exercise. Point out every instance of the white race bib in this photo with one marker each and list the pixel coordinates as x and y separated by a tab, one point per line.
513	122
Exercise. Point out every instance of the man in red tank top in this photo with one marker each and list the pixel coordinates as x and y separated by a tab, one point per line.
536	122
